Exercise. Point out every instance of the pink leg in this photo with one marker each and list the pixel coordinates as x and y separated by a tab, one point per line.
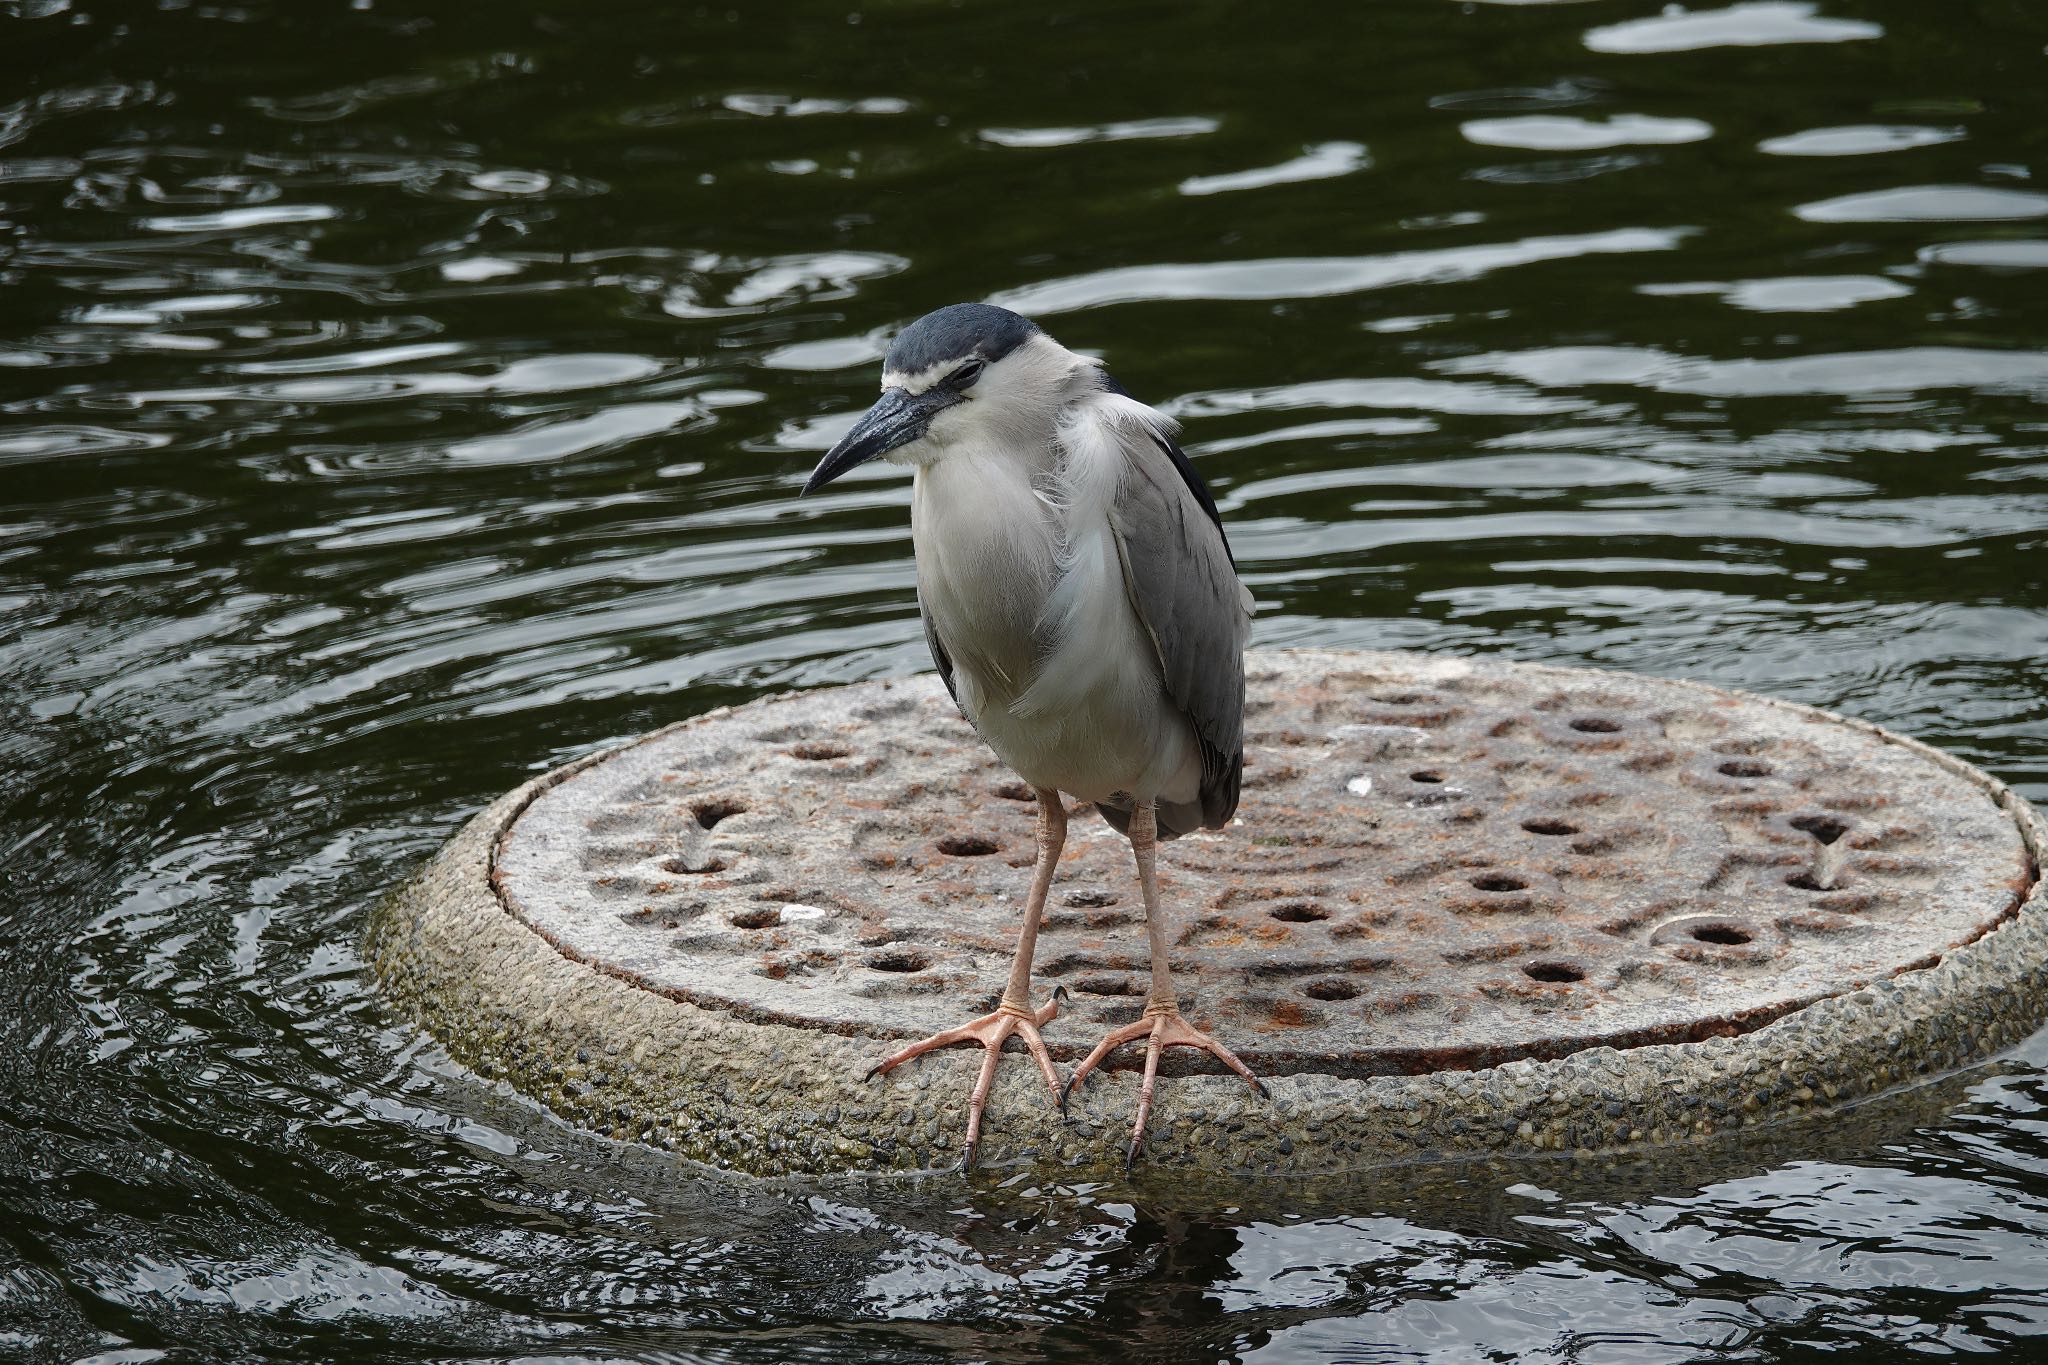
1161	1023
1014	1014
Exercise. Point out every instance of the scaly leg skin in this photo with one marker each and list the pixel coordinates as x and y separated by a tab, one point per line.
1014	1014
1161	1024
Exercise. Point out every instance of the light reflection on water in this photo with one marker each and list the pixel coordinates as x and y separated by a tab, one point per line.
396	404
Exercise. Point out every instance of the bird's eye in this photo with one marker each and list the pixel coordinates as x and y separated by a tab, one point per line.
965	376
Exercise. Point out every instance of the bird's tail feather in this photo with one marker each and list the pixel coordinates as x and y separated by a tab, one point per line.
1174	818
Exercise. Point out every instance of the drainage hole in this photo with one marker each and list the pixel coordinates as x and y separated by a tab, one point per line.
1330	990
1595	725
1806	881
1107	985
1721	933
1746	767
1426	775
709	813
1300	912
1552	971
1015	791
1825	828
767	917
1498	882
901	960
708	865
1549	827
968	845
818	752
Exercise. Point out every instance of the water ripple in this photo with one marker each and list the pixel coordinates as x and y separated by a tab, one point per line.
1762	23
1928	204
1862	139
1559	132
1324	161
1319	277
1135	130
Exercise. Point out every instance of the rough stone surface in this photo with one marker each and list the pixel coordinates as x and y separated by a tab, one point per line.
1729	912
1459	867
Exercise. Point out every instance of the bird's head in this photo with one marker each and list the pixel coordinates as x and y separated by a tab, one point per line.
966	371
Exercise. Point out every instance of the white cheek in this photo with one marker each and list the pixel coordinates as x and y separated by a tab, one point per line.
950	426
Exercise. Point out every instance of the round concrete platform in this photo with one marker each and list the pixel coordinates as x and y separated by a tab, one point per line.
1467	907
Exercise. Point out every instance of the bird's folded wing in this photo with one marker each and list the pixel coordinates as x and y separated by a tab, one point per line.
1178	571
940	657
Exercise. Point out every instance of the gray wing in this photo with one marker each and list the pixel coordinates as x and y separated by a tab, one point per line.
939	655
1178	570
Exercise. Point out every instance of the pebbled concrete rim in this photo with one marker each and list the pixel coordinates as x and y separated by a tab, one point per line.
770	1099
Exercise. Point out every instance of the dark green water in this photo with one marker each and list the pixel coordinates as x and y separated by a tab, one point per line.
396	400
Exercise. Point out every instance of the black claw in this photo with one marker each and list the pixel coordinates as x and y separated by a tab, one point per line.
873	1072
1059	994
967	1160
1131	1155
1065	1091
1260	1086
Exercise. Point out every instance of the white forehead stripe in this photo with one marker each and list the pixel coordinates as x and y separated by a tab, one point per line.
922	379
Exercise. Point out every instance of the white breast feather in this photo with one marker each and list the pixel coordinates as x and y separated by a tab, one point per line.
1097	647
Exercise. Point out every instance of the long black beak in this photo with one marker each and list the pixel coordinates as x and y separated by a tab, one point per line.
896	419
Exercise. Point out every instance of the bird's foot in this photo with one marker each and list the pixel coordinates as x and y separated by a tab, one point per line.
1163	1026
991	1031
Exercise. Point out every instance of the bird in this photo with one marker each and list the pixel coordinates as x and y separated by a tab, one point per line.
1083	607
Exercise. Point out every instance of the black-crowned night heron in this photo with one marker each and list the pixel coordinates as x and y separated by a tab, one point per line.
1084	610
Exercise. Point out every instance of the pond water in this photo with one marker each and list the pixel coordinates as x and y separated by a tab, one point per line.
397	399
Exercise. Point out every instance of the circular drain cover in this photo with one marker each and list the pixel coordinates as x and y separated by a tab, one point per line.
1436	864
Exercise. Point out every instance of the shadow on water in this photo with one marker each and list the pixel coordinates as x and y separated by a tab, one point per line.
398	400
